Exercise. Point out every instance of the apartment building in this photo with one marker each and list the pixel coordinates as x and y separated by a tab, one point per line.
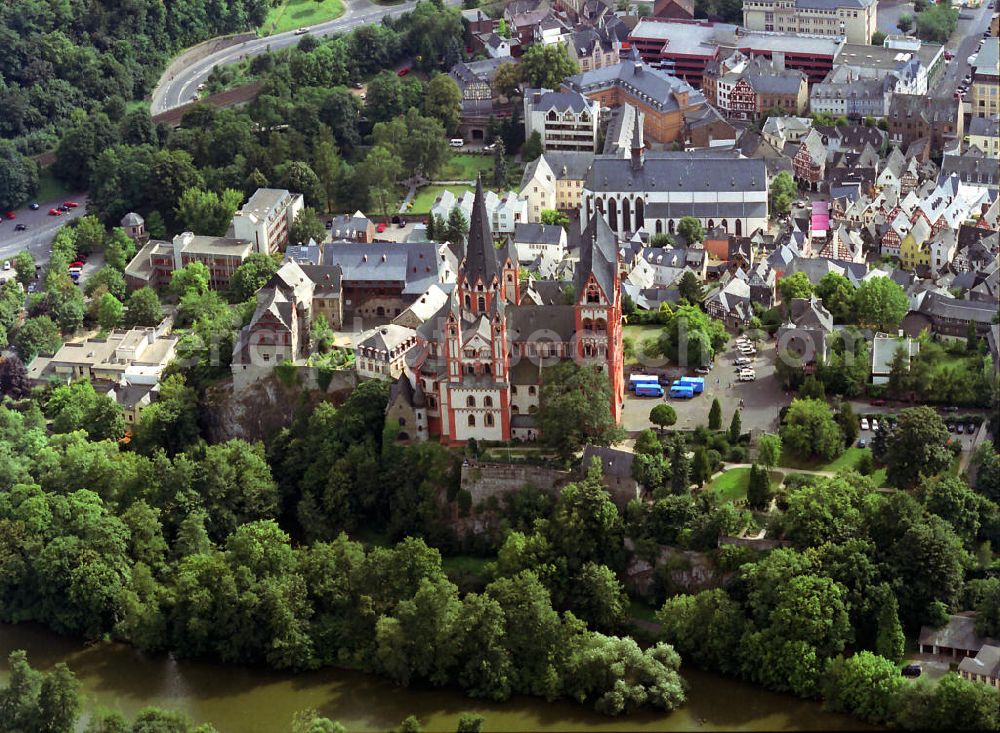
563	120
853	19
554	181
154	264
266	218
984	96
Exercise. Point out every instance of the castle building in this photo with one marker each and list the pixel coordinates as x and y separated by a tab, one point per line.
479	362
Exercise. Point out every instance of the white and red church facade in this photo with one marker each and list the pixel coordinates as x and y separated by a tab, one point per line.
479	366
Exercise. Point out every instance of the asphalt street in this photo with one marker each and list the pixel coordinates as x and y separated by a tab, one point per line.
182	86
41	228
963	42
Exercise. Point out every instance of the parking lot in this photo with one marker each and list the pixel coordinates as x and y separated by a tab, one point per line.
762	398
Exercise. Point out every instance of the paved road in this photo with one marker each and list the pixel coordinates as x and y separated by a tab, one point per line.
183	85
963	42
41	228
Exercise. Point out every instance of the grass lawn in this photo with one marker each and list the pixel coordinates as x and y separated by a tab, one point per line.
49	187
464	167
425	197
848	459
732	484
640	334
291	14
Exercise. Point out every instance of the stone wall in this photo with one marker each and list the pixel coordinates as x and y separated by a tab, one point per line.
485	480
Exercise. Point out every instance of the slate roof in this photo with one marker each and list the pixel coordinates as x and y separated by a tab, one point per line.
654	87
986	663
537	233
559	101
810	313
598	257
958	633
677	172
534	322
132	219
936	305
480	254
617	463
985	126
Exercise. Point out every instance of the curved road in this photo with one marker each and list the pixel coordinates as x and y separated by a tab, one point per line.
178	89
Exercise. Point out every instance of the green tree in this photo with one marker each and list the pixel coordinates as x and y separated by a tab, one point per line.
917	446
864	685
937	23
769	450
194	277
299	177
547	65
827	510
783	191
500	171
759	488
809	430
701	468
321	334
470	723
110	312
457	226
905	22
38	335
663	416
691	337
880	303
793	286
307	226
704	628
837	294
715	415
24	265
90	235
690	288
553	217
170	423
108	278
575	408
890	642
39	701
443	102
119	250
143	308
878	38
735	428
13	378
20	179
951	702
680	464
532	148
507	79
848	422
690	228
206	212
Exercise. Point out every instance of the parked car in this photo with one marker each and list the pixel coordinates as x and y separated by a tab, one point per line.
357	85
32	288
948	55
456	142
10	215
960	428
874	424
950	426
949	408
877	402
55	212
862	442
6	264
912	670
380	228
971	429
20	227
301	31
329	224
71	204
741	361
34	206
702	370
404	71
864	423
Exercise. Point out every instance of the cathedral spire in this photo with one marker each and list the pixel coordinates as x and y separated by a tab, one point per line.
480	254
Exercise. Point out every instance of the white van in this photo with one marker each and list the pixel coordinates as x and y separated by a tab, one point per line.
457	142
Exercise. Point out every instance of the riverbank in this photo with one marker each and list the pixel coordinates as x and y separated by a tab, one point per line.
253	700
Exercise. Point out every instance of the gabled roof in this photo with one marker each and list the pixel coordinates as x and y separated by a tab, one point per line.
598	257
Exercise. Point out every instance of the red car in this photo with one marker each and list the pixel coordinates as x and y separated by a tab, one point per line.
55	212
877	402
380	228
10	215
71	204
77	264
949	55
404	71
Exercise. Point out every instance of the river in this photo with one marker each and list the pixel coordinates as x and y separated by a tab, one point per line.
251	700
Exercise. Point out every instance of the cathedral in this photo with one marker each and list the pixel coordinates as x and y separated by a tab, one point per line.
478	367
